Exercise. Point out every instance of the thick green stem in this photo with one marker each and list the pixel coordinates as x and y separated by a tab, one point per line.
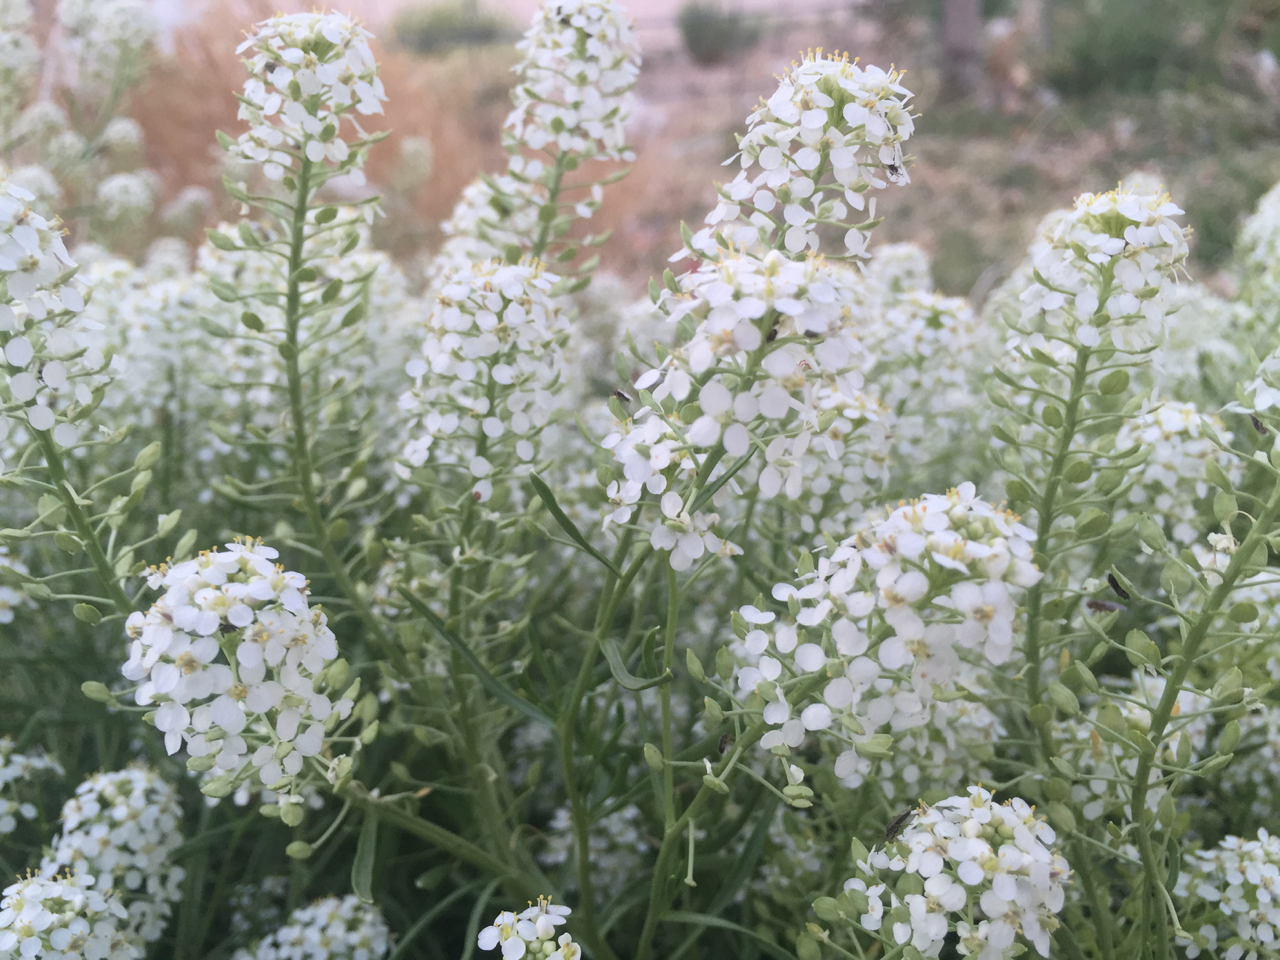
101	565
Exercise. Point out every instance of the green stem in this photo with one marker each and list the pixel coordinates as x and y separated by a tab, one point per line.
668	660
302	460
101	565
1044	527
1163	712
553	200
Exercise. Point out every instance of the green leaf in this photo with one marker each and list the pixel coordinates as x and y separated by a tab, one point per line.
707	920
487	680
626	679
362	867
547	497
710	489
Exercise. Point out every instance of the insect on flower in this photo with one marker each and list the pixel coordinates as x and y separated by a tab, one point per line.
895	825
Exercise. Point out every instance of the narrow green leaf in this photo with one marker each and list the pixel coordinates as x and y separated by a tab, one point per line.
626	679
706	920
487	680
710	489
362	867
547	497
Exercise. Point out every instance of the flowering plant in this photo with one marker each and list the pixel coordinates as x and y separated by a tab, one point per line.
838	618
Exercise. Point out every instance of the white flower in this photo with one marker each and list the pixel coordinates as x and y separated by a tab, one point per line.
531	931
16	769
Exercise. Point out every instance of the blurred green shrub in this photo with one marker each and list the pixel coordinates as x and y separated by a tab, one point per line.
713	34
440	27
1133	46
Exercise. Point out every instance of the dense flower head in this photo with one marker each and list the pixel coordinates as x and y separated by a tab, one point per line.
16	769
883	619
832	131
1258	253
1104	269
580	61
122	828
772	362
531	932
1172	480
308	71
232	654
492	362
333	928
63	918
988	871
54	357
1232	893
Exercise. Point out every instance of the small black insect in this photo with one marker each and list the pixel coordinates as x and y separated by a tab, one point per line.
1115	585
622	396
1101	605
725	741
894	826
772	335
1257	425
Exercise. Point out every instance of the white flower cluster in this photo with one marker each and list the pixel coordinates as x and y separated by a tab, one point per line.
618	845
1170	483
107	40
492	363
570	103
929	351
579	64
774	365
883	620
1233	896
988	871
832	131
122	828
15	769
238	604
1102	270
1258	253
50	355
334	928
63	918
308	71
531	932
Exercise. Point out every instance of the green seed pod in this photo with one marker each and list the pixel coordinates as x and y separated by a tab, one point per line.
299	850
